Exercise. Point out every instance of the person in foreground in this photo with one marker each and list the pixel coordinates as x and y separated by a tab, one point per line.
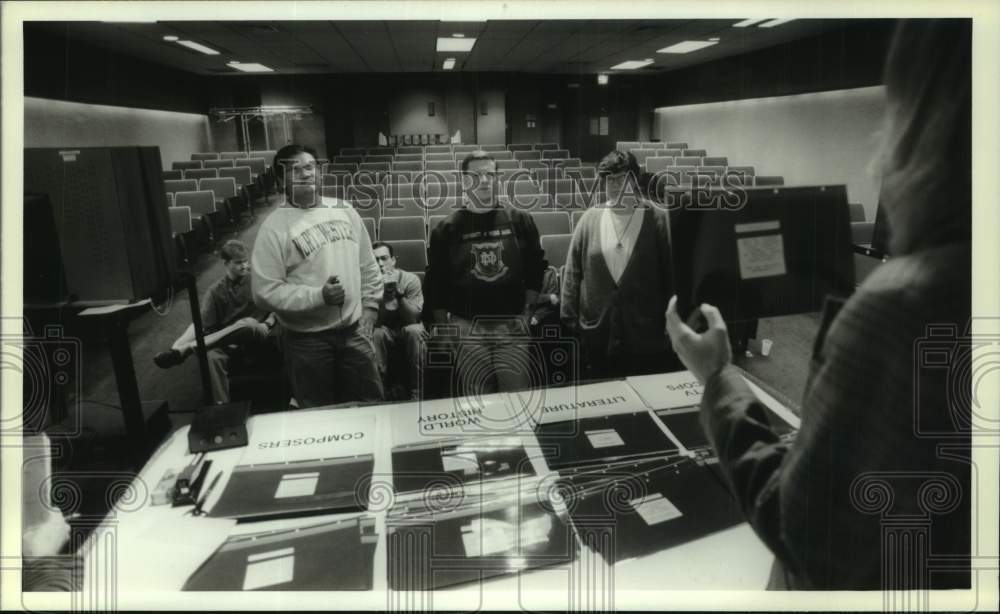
829	505
313	266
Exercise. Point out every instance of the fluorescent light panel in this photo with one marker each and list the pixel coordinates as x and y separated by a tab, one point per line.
461	45
687	46
774	22
198	47
602	79
448	64
632	64
250	67
746	23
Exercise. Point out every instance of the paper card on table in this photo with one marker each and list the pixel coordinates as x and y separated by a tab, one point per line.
462	461
542	406
309	435
604	438
655	508
297	485
269	568
680	389
535	531
486	536
486	415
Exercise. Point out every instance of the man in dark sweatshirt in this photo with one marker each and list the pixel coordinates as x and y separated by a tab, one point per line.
485	262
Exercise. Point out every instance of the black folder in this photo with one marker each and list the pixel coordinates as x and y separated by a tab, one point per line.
652	506
419	467
331	556
298	488
601	439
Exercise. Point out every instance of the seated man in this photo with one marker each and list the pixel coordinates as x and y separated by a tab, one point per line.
398	321
233	325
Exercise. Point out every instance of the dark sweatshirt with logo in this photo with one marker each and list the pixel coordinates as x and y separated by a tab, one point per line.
464	245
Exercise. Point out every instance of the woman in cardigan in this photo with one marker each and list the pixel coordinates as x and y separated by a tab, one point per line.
885	425
618	279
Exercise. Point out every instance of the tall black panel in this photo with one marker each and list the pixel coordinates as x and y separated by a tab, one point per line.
110	215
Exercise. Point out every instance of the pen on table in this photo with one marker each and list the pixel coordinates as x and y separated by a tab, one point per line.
204	498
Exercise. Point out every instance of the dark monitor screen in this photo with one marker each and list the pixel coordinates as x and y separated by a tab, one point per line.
762	252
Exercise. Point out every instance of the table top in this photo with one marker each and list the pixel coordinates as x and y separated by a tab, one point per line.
139	536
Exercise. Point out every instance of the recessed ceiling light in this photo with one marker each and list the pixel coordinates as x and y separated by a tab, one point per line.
687	46
198	47
461	45
632	64
170	38
250	67
602	79
714	38
746	23
458	35
449	63
774	22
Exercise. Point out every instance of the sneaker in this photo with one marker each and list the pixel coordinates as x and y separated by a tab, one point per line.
170	358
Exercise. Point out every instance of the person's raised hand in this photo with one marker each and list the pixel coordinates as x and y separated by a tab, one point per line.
704	353
333	292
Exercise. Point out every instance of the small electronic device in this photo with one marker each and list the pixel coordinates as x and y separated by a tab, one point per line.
190	481
217	427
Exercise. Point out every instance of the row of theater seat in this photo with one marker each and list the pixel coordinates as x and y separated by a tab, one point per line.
420	227
552	154
385	166
212	190
267	154
243	175
257	166
456	148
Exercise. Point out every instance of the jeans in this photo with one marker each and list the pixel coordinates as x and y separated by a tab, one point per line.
411	337
497	358
332	366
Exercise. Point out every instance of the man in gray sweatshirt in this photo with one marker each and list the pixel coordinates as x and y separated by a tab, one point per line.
313	266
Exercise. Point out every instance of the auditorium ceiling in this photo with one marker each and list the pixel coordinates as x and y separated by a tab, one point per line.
531	46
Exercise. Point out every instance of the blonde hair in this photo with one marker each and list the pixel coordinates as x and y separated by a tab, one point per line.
927	150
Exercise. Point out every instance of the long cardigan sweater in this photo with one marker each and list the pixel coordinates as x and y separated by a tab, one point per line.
880	446
628	317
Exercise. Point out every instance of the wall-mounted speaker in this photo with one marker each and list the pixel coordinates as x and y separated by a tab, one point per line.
430	109
482	108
